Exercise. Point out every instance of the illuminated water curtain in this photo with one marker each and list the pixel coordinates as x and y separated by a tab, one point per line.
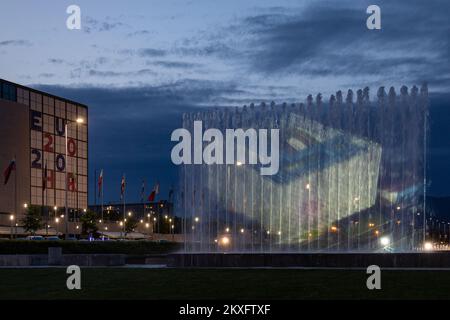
351	178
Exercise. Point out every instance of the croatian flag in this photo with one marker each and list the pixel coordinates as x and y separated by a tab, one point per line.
155	191
8	170
100	183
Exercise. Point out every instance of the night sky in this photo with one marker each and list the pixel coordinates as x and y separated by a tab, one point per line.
138	65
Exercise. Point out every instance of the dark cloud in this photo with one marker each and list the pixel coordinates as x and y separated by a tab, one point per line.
110	73
46	75
138	33
198	48
55	61
6	43
326	39
150	52
90	24
174	64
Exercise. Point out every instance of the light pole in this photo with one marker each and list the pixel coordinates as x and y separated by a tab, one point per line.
78	121
56	222
11	219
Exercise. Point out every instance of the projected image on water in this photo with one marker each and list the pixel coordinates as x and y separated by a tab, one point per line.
351	177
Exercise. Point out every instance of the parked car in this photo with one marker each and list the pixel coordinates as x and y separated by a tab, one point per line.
52	238
35	238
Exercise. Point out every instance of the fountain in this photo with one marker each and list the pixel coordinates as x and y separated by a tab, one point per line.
351	178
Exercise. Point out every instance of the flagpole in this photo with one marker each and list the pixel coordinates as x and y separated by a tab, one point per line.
45	199
15	191
123	198
142	198
95	189
102	194
43	183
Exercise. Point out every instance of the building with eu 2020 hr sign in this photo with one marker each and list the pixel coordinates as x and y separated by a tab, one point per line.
32	132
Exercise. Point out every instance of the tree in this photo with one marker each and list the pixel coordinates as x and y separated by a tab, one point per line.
88	222
32	221
130	225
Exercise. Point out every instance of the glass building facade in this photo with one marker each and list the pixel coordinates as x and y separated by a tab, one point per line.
48	164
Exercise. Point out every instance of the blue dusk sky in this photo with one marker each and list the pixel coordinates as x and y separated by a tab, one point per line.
139	64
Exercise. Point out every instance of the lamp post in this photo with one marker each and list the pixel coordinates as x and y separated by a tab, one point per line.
11	219
56	222
66	210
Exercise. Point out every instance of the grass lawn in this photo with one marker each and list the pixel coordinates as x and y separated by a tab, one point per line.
124	283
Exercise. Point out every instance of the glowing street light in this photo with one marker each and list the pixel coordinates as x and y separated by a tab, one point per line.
196	219
25	205
385	241
334	228
428	246
225	241
242	230
238	163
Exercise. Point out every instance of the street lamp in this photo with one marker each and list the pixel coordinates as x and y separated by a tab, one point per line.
78	121
11	219
56	221
384	241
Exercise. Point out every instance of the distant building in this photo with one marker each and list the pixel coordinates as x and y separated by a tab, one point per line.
159	215
32	131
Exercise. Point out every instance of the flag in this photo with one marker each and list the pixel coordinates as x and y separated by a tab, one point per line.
122	187
100	183
44	177
8	170
155	191
143	191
